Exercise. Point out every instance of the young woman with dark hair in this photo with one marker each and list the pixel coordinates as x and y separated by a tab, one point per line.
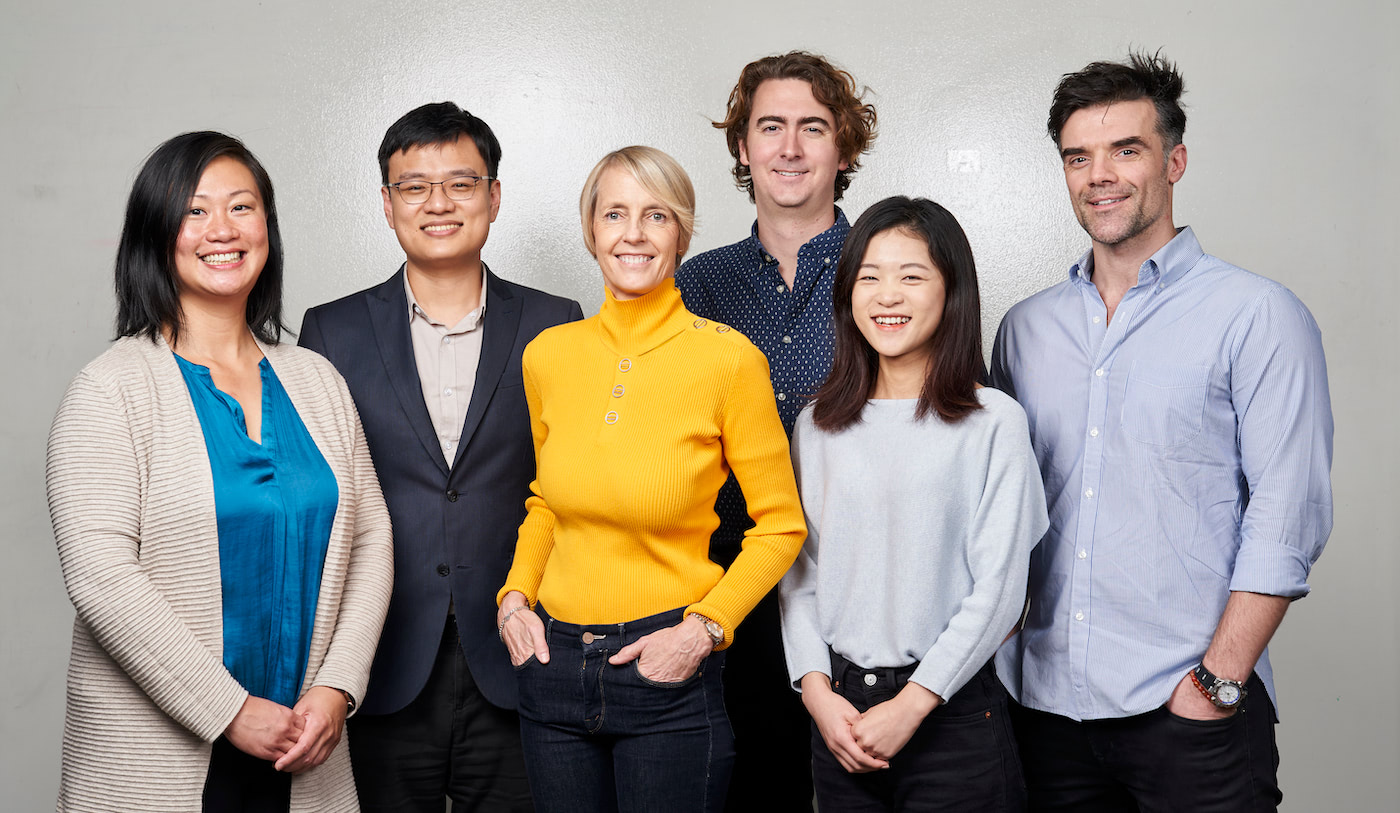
923	502
219	523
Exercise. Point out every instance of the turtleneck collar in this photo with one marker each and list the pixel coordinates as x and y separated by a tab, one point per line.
638	325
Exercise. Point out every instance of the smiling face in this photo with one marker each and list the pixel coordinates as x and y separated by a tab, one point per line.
1119	175
897	301
635	236
222	245
790	148
441	234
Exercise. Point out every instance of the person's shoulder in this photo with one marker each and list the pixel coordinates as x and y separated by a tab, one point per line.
1038	303
128	356
537	298
350	305
999	407
707	265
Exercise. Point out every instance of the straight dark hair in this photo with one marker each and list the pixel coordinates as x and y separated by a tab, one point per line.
1143	76
148	297
955	348
438	123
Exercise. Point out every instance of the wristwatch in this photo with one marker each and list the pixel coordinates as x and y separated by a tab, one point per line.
712	628
1224	693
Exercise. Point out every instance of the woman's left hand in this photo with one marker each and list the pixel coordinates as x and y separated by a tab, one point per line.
669	655
885	728
324	709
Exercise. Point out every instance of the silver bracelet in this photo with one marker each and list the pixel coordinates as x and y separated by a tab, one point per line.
501	630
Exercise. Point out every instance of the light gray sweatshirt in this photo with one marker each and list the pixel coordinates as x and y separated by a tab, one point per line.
919	536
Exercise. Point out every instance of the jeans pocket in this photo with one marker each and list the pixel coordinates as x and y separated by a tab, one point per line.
1216	722
528	662
662	684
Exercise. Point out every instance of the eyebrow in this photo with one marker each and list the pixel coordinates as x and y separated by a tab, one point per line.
413	175
233	194
1130	141
902	266
783	120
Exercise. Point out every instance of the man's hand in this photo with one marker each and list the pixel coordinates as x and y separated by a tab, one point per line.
1187	701
669	655
834	716
323	709
521	629
265	729
886	727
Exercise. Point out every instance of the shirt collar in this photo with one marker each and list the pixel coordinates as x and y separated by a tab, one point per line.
469	322
1166	267
834	236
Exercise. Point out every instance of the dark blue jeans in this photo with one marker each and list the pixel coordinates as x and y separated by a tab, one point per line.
962	757
599	737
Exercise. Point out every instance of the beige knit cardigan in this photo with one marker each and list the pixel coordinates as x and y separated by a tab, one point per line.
132	501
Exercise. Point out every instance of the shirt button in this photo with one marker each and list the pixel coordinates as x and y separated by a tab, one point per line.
870	680
611	417
1083	554
699	323
782	288
444	570
624	365
787	340
1098	319
1093	433
782	396
452	495
826	260
447	340
447	392
588	637
1099	372
618	391
1089	492
1079	616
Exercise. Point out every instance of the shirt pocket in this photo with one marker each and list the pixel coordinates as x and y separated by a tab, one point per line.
1164	404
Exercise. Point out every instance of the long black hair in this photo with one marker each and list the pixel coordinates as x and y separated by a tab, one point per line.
148	298
955	348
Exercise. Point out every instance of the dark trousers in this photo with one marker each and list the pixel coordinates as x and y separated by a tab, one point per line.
242	783
962	757
600	737
1154	762
450	742
772	732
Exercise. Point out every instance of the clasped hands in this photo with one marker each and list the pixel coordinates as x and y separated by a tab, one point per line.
294	739
668	655
865	742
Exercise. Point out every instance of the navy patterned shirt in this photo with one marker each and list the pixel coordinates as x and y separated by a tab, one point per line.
740	286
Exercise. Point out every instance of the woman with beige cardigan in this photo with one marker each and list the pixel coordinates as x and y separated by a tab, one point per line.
219	524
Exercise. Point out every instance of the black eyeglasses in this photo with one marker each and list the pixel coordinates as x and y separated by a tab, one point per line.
461	187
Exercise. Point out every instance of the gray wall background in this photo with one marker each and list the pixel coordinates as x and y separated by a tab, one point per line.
1292	173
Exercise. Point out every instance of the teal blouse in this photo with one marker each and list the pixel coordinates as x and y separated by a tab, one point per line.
275	502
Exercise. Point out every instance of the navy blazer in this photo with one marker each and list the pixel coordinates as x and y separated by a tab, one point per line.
454	528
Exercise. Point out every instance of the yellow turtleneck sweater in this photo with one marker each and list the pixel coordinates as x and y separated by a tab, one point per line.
639	414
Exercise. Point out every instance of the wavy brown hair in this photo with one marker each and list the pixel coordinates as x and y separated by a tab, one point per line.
955	348
831	86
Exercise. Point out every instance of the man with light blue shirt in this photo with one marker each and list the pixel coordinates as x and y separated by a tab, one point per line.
1179	410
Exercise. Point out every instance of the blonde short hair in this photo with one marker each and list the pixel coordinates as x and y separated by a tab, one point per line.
659	174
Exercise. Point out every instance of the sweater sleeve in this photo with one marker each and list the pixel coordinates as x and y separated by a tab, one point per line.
536	536
756	450
369	578
803	644
1009	520
95	493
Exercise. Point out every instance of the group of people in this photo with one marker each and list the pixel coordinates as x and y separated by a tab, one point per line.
765	528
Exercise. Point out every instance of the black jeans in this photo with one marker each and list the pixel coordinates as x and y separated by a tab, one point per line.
1154	762
450	742
962	757
600	737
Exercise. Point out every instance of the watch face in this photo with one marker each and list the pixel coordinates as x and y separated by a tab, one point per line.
1227	694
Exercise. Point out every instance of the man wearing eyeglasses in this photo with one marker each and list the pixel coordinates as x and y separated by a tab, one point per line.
432	357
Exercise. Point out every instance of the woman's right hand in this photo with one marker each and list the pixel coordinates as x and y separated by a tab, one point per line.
834	716
265	729
523	631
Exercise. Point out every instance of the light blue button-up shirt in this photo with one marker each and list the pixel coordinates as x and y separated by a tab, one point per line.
1186	450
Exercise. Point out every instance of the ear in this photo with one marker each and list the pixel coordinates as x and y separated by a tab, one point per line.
1176	163
844	165
388	205
495	199
743	152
